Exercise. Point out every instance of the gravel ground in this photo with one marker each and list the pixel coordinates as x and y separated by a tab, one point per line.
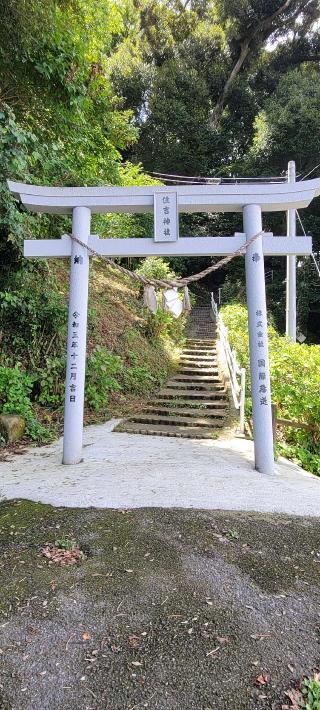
170	610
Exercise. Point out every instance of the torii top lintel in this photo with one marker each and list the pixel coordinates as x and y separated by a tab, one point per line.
272	197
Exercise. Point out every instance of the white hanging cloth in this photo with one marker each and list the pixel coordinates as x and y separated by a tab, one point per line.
150	298
171	302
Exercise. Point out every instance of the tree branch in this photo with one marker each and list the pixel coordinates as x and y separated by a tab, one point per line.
265	25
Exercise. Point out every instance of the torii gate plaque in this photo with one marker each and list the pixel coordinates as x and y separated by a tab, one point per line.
251	199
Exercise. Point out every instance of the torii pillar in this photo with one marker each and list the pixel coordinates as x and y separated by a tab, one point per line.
77	336
258	340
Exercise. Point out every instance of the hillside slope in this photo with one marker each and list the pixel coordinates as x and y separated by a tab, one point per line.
129	351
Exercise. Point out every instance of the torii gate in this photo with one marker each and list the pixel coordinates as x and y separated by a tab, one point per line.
166	203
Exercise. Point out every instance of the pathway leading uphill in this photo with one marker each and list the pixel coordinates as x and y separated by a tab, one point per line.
194	402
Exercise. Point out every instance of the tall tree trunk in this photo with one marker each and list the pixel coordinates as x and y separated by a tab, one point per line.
263	29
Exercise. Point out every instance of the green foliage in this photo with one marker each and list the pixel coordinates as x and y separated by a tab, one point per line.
158	324
15	398
234	534
310	689
66	543
294	373
154	267
286	125
32	317
137	377
103	370
51	382
108	372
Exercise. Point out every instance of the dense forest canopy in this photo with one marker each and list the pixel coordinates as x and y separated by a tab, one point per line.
98	91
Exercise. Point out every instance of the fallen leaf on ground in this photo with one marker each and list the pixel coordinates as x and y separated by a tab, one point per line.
296	697
62	557
134	641
262	679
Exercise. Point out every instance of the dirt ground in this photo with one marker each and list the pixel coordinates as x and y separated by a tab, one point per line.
170	610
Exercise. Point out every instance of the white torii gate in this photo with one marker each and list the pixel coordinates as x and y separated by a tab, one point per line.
166	202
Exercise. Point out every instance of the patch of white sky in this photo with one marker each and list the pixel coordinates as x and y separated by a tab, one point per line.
274	41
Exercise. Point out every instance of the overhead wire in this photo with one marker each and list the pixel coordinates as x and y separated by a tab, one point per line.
198	180
312	255
310	172
171	177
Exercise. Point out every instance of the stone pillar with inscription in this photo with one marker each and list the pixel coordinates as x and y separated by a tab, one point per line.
77	335
258	338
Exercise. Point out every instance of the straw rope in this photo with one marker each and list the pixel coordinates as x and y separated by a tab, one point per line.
167	283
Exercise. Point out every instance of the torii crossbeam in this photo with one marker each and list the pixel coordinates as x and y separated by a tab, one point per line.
166	203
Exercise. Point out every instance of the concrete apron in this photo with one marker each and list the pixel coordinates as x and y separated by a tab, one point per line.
121	470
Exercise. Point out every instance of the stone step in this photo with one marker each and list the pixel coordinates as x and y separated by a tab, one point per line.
163	430
200	349
201	343
195	378
197	354
187	386
192	412
201	357
204	333
185	361
198	369
175	420
208	394
195	403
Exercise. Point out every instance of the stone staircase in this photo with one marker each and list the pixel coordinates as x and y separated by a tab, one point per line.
194	402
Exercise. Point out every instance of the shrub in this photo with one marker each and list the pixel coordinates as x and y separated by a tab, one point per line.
15	390
294	371
51	382
137	378
154	267
32	318
158	323
310	689
103	369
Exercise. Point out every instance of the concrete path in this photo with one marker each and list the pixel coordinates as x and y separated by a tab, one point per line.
123	470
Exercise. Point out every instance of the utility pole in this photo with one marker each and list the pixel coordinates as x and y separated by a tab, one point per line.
291	283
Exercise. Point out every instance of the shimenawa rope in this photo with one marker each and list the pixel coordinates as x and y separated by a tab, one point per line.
167	283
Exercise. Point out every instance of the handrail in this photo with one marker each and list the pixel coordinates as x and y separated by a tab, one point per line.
238	388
